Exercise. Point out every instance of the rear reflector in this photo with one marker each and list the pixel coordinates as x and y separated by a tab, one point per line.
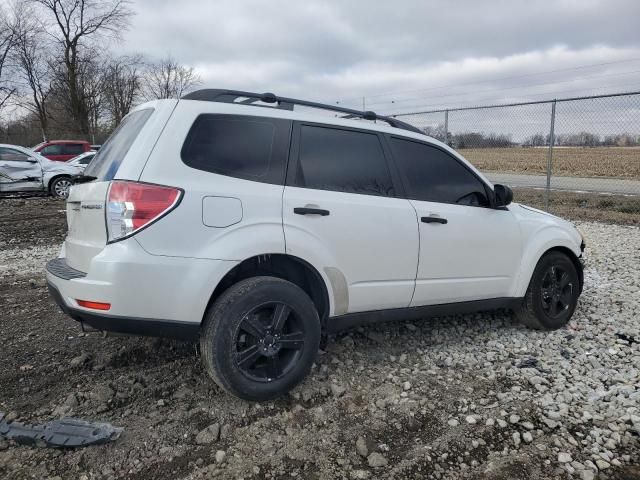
94	305
132	206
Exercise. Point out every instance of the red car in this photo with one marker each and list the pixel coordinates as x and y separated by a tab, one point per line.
62	150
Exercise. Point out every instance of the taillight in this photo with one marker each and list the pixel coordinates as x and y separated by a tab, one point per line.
132	206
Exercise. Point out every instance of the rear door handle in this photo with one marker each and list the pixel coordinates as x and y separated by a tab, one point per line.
434	220
310	211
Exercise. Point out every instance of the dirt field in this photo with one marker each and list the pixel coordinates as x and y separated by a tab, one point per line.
474	396
619	162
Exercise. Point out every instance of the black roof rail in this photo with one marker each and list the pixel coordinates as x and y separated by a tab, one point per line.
232	96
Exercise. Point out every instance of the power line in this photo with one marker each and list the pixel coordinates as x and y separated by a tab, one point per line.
441	106
508	88
579	67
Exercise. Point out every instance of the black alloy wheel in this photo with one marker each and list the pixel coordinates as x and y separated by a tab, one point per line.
269	340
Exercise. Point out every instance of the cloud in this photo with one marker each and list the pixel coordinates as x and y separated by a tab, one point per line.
335	50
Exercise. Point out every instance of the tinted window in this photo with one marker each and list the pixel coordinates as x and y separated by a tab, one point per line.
11	155
51	150
252	148
72	149
108	160
433	175
342	161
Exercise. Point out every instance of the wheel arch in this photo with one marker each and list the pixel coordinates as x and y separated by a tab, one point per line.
533	256
284	266
54	178
574	259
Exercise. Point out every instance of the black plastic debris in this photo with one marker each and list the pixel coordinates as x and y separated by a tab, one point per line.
627	338
63	433
530	362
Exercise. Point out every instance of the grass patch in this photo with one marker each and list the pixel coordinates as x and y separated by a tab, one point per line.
620	209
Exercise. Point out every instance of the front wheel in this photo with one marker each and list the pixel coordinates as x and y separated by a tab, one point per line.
260	338
552	295
60	187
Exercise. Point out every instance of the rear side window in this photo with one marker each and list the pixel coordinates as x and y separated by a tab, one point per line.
252	148
107	161
342	161
72	149
11	155
433	175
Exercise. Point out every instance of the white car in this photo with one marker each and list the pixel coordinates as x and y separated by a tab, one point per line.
83	159
230	217
23	170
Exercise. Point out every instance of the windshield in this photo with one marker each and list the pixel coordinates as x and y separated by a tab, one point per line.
108	159
38	145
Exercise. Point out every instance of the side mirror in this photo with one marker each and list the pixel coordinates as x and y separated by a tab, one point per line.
32	159
504	195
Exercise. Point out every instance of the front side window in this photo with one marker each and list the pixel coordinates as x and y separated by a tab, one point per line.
342	161
11	155
247	147
432	175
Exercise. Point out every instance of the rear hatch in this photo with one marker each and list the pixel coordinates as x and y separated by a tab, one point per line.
121	157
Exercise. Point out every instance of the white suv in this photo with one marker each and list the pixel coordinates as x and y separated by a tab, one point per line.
229	217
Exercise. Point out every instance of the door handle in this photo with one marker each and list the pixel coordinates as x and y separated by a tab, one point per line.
434	220
310	211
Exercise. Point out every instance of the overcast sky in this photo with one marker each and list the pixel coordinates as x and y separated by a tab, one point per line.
417	53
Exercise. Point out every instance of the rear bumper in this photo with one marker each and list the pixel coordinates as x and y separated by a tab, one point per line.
128	326
149	294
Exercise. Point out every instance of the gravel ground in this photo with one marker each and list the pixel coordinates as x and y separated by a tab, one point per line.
474	396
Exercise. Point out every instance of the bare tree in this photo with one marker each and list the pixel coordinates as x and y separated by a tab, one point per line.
77	23
31	57
7	43
168	79
122	86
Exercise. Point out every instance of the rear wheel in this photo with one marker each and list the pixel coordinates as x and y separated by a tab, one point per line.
60	187
260	338
553	293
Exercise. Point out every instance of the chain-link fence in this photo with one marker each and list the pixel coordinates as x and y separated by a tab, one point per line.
576	157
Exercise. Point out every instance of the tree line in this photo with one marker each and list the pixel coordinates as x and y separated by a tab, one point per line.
500	140
60	79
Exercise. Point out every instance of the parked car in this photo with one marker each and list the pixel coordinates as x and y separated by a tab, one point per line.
62	150
257	228
83	159
23	170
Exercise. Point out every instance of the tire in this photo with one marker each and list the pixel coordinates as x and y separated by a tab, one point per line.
60	186
549	305
247	351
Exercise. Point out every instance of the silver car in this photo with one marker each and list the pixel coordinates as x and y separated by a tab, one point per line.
23	170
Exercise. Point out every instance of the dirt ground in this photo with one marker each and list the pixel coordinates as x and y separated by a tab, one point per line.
616	162
382	383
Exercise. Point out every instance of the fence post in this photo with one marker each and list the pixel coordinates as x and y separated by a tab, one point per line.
446	127
550	157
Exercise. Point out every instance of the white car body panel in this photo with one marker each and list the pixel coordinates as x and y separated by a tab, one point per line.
371	241
475	256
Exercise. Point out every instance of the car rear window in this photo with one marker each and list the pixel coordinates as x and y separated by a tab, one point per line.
252	148
107	161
